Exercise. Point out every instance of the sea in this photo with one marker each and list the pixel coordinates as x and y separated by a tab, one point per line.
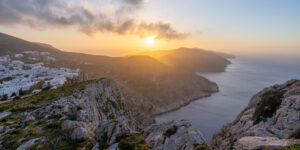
241	80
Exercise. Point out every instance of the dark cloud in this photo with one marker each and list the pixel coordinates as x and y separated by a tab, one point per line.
43	13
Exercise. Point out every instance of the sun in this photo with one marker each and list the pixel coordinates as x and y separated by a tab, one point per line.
150	40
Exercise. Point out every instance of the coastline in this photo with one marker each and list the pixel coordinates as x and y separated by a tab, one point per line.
197	98
183	105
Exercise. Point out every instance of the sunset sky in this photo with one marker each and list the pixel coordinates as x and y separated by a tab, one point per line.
120	27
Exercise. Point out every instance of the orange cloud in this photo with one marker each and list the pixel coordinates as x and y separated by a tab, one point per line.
44	13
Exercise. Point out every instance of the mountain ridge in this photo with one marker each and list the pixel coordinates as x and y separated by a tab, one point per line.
149	85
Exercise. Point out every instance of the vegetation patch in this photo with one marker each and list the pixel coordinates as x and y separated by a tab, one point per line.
47	128
201	147
133	142
43	97
268	105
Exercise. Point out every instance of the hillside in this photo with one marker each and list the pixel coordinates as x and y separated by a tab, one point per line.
150	86
192	59
86	115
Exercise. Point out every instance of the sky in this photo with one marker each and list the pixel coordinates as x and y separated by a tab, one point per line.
121	27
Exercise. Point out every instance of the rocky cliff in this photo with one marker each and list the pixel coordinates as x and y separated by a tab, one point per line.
87	115
270	121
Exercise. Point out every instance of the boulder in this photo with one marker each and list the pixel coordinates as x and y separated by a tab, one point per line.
255	142
80	134
28	144
173	135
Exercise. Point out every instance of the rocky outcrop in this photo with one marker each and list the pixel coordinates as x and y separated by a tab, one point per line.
93	114
255	142
28	144
272	118
173	135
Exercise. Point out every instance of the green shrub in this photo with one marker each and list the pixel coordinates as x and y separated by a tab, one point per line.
17	97
201	147
268	105
133	142
4	97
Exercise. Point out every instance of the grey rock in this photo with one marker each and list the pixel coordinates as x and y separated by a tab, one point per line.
4	114
80	134
254	142
1	129
29	117
96	147
114	147
28	144
109	131
69	124
173	135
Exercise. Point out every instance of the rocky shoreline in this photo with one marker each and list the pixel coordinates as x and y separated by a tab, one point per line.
181	105
270	121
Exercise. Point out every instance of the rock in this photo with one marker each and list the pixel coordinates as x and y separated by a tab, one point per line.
109	131
271	113
28	144
70	124
255	142
173	135
80	134
96	147
114	147
4	114
1	129
29	117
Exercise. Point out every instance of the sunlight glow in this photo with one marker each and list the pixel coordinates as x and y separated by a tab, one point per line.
150	40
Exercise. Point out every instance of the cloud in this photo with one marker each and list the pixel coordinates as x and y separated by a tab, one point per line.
58	13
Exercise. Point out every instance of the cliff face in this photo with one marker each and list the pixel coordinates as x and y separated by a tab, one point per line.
91	114
88	115
271	120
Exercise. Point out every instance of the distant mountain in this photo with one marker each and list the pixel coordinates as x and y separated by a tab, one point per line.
10	44
192	59
151	84
225	55
45	45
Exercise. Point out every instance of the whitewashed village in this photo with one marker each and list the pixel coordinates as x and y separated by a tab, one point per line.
24	74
